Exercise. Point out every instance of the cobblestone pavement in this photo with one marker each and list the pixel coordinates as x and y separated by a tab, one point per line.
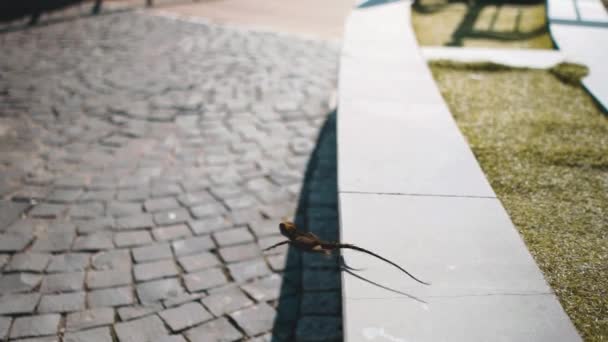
144	163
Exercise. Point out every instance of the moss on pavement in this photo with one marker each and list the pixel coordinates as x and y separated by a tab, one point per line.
543	144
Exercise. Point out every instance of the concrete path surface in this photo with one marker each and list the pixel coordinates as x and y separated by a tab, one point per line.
144	163
411	190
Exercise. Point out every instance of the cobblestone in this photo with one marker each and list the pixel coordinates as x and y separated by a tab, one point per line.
126	141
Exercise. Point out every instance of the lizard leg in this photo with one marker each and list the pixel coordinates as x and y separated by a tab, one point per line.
277	245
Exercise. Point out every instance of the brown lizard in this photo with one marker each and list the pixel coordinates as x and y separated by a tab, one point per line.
309	242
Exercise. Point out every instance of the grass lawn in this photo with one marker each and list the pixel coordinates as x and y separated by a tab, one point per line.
543	144
482	24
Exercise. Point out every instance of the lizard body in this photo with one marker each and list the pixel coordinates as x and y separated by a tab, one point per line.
309	242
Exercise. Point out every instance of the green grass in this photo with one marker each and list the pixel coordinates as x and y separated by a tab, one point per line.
543	144
483	24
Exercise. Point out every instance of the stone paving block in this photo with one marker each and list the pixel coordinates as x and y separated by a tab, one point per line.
161	204
191	199
63	195
185	316
200	261
62	282
138	221
165	189
137	194
34	326
93	242
115	296
5	324
119	209
92	335
256	319
70	262
89	319
159	289
47	210
244	216
154	270
249	269
97	196
205	279
95	225
108	278
243	201
86	210
54	242
182	299
264	227
277	262
217	330
10	211
152	253
171	338
141	330
18	303
40	339
265	289
233	236
130	239
127	313
169	217
209	225
206	210
169	233
192	245
33	262
13	242
18	282
66	302
240	252
226	301
117	259
268	241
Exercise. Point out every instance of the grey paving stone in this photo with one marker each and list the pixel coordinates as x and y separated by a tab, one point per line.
169	233
10	211
205	279
159	289
18	303
92	335
153	252
70	262
192	245
65	302
154	270
115	296
319	328
209	225
128	313
117	259
62	282
130	239
191	199
243	201
161	204
139	221
165	189
137	194
200	261
119	209
141	330
226	301
240	252
97	195
89	319
54	242
185	316
277	262
217	330
265	289
169	217
40	339
256	319
264	227
47	210
108	278
233	236
249	269
268	241
171	338
4	259
93	242
207	210
34	262
33	326
13	242
5	324
244	216
95	225
86	210
18	282
182	299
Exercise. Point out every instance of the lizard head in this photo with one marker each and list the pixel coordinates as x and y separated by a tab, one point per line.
287	228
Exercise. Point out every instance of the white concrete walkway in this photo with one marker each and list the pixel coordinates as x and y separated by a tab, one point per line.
410	188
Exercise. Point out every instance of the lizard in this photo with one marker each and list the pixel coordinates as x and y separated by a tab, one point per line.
309	242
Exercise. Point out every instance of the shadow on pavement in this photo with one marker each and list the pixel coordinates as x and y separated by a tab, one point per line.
13	10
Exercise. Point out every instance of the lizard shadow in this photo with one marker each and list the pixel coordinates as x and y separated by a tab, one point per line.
310	303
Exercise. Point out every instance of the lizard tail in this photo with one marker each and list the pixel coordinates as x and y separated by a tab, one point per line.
349	246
